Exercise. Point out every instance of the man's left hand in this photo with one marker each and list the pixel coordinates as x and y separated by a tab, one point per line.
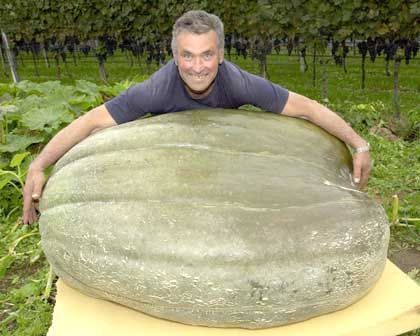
362	165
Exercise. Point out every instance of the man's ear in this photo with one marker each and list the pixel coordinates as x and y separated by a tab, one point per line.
175	59
221	56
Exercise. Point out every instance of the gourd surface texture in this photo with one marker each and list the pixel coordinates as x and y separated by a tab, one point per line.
223	218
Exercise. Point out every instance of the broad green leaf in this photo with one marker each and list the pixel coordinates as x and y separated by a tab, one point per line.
28	103
18	158
5	109
46	88
115	90
7	89
4	161
39	118
84	103
26	88
60	96
87	88
37	88
4	179
5	97
16	143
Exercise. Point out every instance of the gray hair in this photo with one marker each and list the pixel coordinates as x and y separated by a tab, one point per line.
198	22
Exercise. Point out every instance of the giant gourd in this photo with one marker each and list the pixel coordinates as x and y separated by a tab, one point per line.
222	218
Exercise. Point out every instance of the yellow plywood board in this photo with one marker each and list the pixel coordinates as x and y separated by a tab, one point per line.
391	308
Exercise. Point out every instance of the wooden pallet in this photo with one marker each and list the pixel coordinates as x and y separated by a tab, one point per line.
392	307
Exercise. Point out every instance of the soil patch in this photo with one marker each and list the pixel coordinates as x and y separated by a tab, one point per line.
406	259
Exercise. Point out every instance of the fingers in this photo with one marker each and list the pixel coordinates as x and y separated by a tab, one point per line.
31	196
30	208
365	176
357	171
361	169
27	203
37	189
363	180
29	213
31	216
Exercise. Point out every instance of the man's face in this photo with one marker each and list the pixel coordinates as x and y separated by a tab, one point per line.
198	58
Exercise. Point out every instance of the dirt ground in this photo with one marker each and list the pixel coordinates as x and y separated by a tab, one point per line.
406	259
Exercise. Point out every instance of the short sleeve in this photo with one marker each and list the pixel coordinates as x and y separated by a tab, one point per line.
255	90
266	95
150	96
128	105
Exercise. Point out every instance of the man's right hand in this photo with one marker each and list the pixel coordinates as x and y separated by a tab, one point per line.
35	180
96	119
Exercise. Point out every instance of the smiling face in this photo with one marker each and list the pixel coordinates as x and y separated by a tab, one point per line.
198	59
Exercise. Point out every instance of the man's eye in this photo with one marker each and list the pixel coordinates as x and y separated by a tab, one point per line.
187	56
207	56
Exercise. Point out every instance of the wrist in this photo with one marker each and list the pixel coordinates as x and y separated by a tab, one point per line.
362	149
36	166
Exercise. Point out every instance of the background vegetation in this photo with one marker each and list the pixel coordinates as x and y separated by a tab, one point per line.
326	53
32	112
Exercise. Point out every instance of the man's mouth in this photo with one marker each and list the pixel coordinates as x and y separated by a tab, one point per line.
198	80
198	77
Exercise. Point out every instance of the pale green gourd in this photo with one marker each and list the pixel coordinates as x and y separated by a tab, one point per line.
221	218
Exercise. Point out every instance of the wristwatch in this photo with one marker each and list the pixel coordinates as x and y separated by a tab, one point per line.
363	148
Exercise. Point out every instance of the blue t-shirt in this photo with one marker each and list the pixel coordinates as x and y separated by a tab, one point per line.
165	92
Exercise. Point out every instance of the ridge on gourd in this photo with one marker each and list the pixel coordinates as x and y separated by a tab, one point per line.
223	218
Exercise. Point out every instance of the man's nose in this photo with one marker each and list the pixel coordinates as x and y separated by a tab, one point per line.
197	64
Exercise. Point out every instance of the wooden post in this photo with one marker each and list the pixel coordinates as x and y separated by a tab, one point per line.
3	62
262	57
102	71
35	62
354	45
395	99
57	62
10	58
363	71
302	60
324	77
63	58
314	67
44	53
343	48
74	53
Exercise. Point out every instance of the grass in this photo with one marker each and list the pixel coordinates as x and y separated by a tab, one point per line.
26	307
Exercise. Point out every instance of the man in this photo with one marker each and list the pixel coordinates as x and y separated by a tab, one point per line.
197	77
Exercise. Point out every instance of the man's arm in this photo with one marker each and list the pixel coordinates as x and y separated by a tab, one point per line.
299	106
96	119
